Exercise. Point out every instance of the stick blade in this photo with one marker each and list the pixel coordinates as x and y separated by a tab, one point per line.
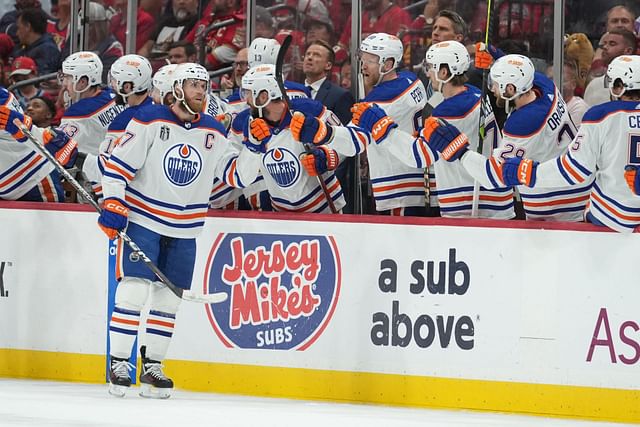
204	298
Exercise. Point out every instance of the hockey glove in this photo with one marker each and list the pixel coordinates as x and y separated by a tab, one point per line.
485	55
445	138
373	119
7	116
320	160
310	130
519	171
257	135
632	177
114	217
225	119
63	148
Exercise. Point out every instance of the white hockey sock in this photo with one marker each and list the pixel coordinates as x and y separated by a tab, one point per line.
123	330
159	331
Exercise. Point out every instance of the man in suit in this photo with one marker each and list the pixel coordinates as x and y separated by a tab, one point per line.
318	62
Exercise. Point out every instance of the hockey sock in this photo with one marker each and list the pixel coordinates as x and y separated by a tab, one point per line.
123	330
159	331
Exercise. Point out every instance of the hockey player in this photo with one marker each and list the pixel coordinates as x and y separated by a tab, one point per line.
157	184
25	174
398	189
447	64
606	142
90	108
288	174
162	92
131	81
539	128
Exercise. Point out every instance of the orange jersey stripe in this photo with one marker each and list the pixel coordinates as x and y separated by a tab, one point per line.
487	197
165	213
18	174
572	171
613	211
124	173
556	202
397	186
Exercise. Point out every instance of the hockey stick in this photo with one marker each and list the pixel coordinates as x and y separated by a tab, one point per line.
481	129
279	79
186	295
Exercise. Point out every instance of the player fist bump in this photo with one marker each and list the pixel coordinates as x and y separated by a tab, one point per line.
7	116
114	217
257	135
519	171
310	129
319	160
373	119
632	177
63	148
445	138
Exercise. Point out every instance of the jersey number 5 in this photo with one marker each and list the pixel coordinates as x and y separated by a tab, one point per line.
634	149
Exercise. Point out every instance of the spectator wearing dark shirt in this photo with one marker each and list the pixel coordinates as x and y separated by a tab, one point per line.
35	42
8	20
171	28
181	52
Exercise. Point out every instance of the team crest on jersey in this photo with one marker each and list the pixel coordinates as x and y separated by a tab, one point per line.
164	132
182	164
283	166
282	289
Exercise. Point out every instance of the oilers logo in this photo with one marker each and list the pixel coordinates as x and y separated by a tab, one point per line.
283	290
283	166
182	164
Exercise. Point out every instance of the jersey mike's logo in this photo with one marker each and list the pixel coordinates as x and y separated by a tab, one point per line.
283	166
282	289
182	164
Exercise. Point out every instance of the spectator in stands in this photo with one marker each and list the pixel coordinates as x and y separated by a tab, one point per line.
317	65
345	75
42	111
576	105
233	82
35	42
118	25
24	68
380	16
100	41
618	18
8	23
613	44
171	28
182	51
265	24
223	43
6	48
59	25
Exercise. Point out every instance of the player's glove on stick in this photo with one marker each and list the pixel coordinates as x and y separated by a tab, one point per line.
445	138
632	177
373	119
310	130
320	160
485	55
519	171
114	217
7	116
257	135
63	148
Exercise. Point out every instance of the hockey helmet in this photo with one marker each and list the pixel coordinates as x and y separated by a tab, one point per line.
516	70
263	51
134	69
384	46
163	80
450	53
261	78
83	64
625	68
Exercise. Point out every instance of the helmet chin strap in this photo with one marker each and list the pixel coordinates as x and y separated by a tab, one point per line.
382	73
183	101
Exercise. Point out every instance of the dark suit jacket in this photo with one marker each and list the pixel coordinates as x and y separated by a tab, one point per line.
336	99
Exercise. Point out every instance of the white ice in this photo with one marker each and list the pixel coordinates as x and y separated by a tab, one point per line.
46	403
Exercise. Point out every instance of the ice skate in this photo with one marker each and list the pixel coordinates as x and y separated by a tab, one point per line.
153	382
119	378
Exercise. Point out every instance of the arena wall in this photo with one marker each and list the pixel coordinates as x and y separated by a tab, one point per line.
477	314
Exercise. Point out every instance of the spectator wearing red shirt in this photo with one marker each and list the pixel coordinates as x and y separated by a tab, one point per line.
171	28
380	16
58	27
118	26
223	44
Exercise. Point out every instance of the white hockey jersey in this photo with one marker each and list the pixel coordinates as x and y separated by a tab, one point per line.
454	184
396	185
214	105
541	130
87	120
290	187
608	140
164	168
22	167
